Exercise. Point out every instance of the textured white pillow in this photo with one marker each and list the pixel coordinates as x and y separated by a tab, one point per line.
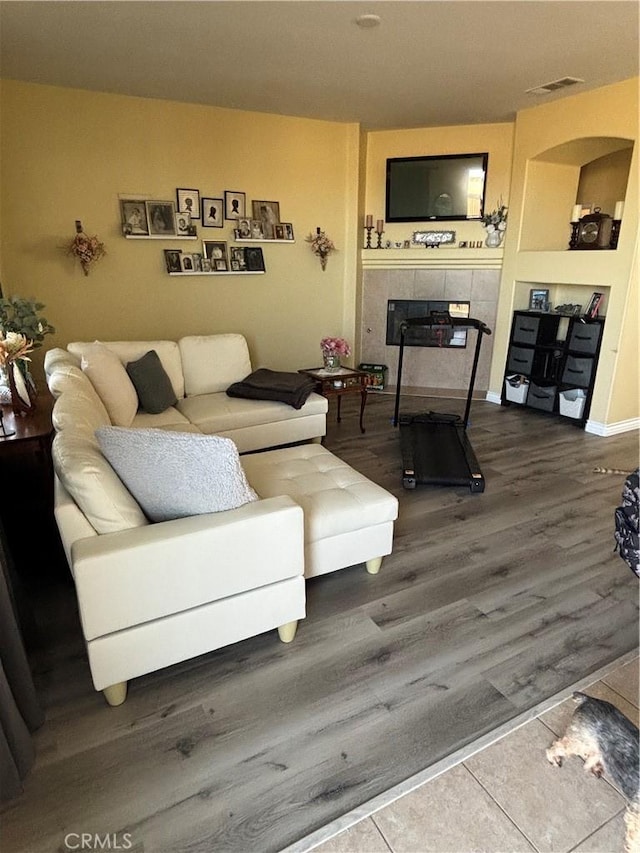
93	484
177	474
109	377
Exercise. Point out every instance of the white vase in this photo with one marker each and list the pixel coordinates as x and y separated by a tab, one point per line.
494	238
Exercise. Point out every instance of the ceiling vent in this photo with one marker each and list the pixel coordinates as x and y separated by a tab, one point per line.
547	88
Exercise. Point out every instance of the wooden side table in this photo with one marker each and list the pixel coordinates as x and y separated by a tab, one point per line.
336	383
27	473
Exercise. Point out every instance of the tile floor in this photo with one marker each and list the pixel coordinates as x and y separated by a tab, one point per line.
507	797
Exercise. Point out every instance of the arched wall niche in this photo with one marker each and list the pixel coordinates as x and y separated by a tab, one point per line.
592	171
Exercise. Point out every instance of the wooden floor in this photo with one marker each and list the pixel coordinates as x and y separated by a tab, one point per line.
489	604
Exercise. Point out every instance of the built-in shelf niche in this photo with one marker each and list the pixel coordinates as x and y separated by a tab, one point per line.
557	178
560	294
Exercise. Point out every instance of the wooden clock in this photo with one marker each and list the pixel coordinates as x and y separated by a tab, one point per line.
594	231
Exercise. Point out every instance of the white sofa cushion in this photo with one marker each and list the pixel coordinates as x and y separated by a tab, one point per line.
79	410
109	378
213	362
218	412
174	475
126	351
93	484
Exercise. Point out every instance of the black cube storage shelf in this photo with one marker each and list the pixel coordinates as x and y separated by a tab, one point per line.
558	374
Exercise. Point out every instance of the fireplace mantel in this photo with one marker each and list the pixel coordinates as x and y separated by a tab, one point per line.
422	258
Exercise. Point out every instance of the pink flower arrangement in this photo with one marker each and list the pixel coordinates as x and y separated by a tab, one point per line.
335	346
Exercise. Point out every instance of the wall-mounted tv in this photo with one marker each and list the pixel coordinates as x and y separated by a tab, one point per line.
451	186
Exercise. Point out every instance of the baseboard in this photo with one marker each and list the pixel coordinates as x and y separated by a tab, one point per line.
593	427
596	428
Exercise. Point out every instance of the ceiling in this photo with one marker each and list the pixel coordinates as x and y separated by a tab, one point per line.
428	63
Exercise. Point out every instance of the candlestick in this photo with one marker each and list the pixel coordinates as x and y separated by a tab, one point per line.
577	210
368	229
619	210
368	221
380	233
380	226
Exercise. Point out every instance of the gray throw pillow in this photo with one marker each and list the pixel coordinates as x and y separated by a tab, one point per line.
176	474
153	386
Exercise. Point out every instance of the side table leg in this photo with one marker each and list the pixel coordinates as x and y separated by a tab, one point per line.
363	403
338	417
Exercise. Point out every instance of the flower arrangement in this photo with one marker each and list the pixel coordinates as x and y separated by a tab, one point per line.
14	346
335	346
321	246
497	219
86	249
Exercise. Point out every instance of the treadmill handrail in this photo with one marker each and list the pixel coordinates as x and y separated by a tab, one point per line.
466	322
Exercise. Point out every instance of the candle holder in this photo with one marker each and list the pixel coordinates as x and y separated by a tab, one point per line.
573	241
615	233
368	229
379	233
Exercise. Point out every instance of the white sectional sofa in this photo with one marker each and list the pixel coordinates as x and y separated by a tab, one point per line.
176	554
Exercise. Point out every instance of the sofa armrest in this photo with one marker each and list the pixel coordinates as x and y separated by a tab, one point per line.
144	573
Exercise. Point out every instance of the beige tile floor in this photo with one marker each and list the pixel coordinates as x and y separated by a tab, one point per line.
506	797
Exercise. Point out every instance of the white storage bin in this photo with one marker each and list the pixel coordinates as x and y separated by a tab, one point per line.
572	402
516	388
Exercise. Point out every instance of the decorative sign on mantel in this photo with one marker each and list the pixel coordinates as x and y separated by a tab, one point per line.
434	238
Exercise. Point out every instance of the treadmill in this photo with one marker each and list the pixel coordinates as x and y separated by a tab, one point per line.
435	446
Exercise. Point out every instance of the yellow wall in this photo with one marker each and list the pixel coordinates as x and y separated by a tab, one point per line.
495	139
68	154
595	118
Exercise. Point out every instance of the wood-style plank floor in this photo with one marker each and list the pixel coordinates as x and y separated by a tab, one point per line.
489	604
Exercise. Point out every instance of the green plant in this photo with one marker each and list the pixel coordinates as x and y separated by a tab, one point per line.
21	315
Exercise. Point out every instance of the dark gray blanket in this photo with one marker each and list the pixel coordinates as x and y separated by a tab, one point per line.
264	384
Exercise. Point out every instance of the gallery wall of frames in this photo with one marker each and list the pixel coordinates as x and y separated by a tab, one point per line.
166	219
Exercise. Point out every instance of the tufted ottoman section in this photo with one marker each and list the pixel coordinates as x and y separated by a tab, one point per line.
348	519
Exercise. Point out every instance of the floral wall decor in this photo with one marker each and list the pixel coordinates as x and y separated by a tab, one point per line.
87	249
321	246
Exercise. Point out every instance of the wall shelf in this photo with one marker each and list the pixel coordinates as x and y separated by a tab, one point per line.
259	240
157	237
221	272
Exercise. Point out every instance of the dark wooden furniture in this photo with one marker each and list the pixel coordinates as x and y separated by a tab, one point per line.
555	356
26	499
336	383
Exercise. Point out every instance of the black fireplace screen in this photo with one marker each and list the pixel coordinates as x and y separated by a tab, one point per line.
435	336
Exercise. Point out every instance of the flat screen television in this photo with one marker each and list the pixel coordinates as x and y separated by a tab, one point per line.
422	189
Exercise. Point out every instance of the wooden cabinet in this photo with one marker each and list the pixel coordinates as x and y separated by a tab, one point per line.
552	362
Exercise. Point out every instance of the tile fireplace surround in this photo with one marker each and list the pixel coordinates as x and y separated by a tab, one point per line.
455	275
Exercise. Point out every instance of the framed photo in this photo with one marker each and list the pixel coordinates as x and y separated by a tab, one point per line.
243	231
268	212
212	213
594	305
234	204
288	231
197	261
187	263
183	224
238	258
134	218
206	264
256	229
216	252
538	300
162	217
172	260
278	231
189	202
254	259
